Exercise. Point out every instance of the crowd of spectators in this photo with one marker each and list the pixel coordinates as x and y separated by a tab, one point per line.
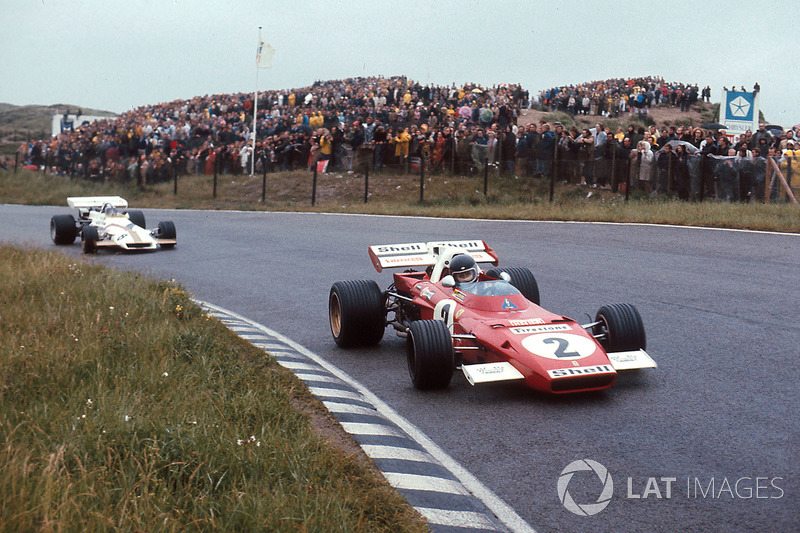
380	122
679	160
614	97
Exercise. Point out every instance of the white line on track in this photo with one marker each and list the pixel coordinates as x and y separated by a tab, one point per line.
505	220
504	512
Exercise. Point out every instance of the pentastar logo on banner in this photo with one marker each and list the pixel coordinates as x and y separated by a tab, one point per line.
739	111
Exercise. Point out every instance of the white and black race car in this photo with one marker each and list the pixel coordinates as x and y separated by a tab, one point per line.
105	221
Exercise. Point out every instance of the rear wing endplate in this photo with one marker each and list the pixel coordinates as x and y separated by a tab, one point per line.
423	254
88	202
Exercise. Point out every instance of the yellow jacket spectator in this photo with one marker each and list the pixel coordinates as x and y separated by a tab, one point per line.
325	147
402	141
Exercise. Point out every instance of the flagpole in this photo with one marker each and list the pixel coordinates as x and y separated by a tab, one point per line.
255	115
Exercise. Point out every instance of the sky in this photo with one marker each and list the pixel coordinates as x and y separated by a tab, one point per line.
116	55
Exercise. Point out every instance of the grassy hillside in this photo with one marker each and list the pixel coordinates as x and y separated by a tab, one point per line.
20	123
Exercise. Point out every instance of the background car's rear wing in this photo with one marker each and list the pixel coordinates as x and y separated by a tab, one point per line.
426	253
88	202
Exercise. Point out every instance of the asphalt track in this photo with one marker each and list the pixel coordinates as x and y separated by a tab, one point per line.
708	441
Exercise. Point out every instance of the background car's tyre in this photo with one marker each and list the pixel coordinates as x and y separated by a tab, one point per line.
620	328
89	238
429	349
137	217
63	229
357	313
522	279
166	230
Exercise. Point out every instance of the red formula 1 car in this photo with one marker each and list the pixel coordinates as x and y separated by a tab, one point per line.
488	324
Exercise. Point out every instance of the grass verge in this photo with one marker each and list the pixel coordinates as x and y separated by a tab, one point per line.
395	193
125	407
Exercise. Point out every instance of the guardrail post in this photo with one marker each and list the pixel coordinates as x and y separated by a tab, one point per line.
366	181
485	176
703	165
628	178
216	165
314	187
669	176
614	170
264	177
421	180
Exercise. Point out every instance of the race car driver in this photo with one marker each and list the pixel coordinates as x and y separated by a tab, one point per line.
463	268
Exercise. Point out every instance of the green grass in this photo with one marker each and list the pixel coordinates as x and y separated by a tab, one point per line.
125	407
392	192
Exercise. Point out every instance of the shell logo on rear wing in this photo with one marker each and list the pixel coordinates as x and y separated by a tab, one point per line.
423	254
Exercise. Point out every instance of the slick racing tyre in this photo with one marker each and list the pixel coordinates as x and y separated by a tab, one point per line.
89	238
357	313
619	328
63	229
137	217
429	349
166	230
522	279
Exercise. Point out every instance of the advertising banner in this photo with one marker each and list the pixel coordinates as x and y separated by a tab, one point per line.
739	111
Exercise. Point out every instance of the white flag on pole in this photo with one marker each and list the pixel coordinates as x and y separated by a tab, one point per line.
264	55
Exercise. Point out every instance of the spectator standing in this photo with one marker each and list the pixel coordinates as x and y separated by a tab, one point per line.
522	153
665	165
644	161
479	150
547	146
508	149
586	157
680	173
380	140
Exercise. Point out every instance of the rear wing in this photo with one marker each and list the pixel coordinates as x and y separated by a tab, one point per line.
423	254
88	202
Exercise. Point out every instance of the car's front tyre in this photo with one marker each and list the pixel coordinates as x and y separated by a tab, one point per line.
619	328
63	229
429	350
166	230
89	238
357	313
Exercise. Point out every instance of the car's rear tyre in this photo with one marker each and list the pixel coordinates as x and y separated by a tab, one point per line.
429	350
522	279
357	313
137	217
166	230
620	328
63	229
89	238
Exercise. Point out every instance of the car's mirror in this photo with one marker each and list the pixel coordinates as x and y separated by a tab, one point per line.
448	281
505	276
